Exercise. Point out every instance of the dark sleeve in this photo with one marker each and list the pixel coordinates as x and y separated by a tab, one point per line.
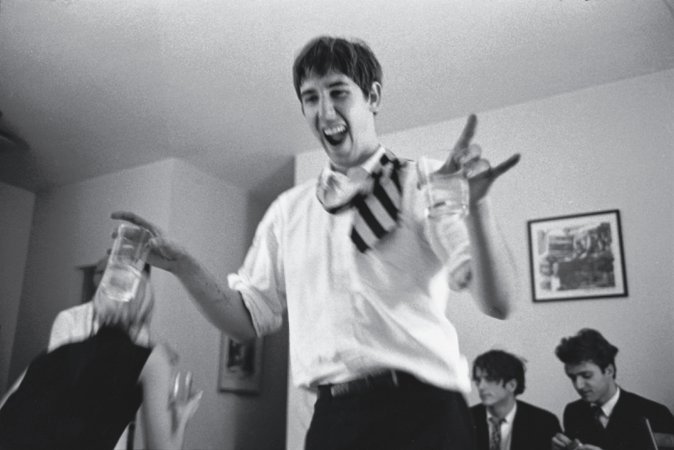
570	422
553	424
661	419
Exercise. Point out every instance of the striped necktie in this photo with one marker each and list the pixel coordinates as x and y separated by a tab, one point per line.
376	210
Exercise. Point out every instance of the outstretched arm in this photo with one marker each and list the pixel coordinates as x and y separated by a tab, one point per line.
493	276
221	305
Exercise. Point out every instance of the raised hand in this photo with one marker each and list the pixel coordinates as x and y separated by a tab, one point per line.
163	253
467	157
184	400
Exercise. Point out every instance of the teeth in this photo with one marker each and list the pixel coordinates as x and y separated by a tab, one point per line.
334	130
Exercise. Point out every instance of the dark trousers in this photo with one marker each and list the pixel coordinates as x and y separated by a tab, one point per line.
411	417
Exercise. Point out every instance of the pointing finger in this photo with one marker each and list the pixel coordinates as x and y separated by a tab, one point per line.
505	165
467	133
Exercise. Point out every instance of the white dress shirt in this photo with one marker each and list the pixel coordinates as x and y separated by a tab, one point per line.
506	427
607	408
353	313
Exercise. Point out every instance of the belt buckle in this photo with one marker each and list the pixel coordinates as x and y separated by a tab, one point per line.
369	382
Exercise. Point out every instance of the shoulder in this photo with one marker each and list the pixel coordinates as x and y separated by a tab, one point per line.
300	192
75	313
634	400
291	201
575	405
477	410
574	408
535	411
162	358
164	353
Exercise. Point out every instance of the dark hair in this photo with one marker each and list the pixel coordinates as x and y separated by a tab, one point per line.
502	366
587	345
353	58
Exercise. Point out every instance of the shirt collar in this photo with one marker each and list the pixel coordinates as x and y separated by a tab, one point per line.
608	407
355	174
508	419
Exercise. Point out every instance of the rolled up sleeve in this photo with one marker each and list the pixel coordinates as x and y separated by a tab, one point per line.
260	279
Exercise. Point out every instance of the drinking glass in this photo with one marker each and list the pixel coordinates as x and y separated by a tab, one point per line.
125	264
446	194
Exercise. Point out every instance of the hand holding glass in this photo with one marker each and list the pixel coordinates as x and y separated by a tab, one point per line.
125	264
446	194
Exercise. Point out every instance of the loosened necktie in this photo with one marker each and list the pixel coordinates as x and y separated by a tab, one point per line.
495	433
376	210
599	415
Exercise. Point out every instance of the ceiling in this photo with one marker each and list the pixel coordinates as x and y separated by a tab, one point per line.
98	86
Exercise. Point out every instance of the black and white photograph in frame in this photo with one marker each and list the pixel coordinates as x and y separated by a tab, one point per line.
577	257
240	365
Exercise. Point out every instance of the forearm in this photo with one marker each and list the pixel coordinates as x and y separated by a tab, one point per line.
493	270
222	306
163	429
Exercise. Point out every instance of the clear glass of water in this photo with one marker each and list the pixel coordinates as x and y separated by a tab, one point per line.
123	273
446	194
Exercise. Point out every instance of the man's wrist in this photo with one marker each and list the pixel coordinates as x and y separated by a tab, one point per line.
479	208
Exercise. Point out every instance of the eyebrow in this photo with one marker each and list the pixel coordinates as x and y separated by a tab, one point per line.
337	83
334	84
307	91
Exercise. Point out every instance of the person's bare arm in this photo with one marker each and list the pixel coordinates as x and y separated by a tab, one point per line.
165	419
222	306
492	272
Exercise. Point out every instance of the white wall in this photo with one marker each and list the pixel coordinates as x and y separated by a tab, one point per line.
607	147
211	218
72	228
16	215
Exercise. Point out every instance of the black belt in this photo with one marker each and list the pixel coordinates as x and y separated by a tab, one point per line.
391	379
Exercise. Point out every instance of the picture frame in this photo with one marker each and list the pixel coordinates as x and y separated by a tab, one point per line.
577	257
240	365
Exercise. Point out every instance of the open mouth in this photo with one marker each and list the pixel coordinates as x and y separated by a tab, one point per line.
335	135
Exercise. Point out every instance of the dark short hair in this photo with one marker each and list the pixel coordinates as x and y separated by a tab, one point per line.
353	58
587	345
502	366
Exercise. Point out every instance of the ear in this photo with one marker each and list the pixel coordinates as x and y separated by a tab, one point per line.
374	98
511	385
610	370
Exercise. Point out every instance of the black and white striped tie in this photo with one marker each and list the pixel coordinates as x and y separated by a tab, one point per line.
376	211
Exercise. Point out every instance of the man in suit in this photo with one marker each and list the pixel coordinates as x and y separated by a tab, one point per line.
501	421
606	417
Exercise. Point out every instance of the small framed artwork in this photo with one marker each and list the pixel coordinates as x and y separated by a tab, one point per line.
240	365
577	257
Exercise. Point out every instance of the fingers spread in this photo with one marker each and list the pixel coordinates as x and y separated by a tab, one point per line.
466	155
476	167
506	165
468	132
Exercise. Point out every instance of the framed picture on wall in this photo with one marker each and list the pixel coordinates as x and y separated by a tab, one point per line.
240	365
577	257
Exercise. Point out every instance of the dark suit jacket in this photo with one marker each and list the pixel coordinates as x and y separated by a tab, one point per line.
533	427
625	429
